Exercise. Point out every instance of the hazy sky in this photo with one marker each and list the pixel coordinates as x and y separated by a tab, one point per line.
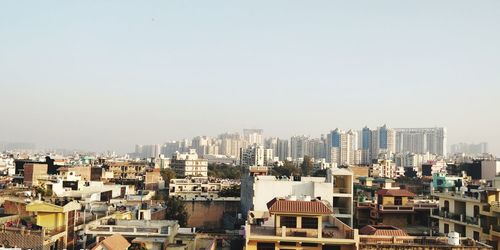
109	74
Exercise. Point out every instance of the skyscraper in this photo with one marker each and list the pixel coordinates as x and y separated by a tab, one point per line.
421	140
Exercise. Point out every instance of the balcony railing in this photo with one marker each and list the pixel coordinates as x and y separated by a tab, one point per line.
126	230
340	210
456	217
340	190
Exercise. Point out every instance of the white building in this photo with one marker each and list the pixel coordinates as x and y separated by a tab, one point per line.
337	189
189	164
253	156
490	169
421	140
198	187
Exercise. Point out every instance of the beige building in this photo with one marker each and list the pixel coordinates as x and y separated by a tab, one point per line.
198	187
298	224
472	211
189	164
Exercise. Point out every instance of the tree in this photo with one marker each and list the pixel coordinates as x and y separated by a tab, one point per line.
319	173
307	166
288	169
176	211
167	174
224	171
232	191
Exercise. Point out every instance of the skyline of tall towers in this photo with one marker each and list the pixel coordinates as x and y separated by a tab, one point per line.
343	147
421	140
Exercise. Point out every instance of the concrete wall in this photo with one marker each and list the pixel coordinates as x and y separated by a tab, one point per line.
266	190
209	214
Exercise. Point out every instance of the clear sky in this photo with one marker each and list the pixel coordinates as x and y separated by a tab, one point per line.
109	74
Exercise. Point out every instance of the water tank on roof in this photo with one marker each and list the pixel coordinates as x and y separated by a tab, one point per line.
454	238
292	198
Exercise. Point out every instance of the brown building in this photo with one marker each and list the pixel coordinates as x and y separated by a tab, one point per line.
153	180
87	173
16	206
33	171
396	207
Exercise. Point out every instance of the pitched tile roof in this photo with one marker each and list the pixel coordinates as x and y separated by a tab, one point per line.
289	206
114	242
382	230
395	192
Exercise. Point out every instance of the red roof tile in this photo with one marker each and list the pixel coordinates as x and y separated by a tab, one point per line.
288	206
382	230
395	192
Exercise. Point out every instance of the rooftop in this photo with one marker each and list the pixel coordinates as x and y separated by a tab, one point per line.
395	192
384	230
281	205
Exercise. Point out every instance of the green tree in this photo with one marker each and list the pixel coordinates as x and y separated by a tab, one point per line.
307	166
167	174
232	191
320	173
176	211
224	171
288	169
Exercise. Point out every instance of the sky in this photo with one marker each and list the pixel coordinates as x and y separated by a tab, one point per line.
105	75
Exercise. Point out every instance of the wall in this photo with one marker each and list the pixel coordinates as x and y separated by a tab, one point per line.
268	189
13	207
209	214
489	169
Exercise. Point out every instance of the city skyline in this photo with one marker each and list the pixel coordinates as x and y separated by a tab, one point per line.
449	147
106	76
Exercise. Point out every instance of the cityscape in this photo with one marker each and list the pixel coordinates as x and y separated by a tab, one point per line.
258	125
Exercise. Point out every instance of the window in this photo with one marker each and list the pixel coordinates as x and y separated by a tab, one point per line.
265	246
446	228
476	211
398	201
290	222
476	236
309	222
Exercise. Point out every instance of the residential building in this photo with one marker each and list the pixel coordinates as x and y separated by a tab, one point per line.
299	147
257	188
459	206
343	193
253	156
58	220
198	187
421	140
291	223
384	169
189	164
398	207
254	136
32	171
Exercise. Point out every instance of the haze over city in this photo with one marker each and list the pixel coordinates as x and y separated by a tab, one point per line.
106	76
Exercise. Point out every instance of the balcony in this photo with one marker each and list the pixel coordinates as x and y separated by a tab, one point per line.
461	196
456	217
146	231
341	190
391	208
339	211
495	230
495	206
334	229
